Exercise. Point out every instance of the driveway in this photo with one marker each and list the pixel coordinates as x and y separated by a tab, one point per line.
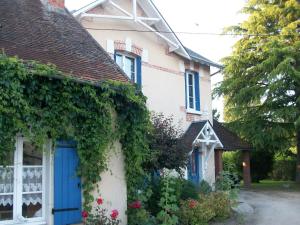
272	207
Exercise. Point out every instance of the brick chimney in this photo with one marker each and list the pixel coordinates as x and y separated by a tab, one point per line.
57	3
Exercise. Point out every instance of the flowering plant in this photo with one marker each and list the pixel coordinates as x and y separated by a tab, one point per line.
101	216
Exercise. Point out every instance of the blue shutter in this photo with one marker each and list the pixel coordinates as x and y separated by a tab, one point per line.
67	185
115	57
197	91
139	71
185	89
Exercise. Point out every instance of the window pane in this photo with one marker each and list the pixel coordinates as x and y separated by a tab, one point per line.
129	67
32	181
190	79
119	60
6	190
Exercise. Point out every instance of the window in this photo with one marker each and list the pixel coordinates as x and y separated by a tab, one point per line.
127	63
192	91
131	66
22	185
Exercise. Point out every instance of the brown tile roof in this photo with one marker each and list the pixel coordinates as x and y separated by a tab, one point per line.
229	139
33	30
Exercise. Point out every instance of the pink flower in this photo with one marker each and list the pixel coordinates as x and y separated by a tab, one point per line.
84	214
136	205
192	204
114	214
99	201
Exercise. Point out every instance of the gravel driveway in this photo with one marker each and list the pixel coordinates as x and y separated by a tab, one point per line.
272	207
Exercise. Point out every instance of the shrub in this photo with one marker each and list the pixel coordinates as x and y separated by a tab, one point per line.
189	190
227	181
193	212
204	188
221	204
284	170
215	205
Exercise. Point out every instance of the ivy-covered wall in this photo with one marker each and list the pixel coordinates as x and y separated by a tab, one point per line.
40	102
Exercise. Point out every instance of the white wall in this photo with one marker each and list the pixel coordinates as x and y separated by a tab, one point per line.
112	187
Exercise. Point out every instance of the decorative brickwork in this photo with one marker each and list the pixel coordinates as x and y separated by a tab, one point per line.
121	46
162	68
57	3
192	117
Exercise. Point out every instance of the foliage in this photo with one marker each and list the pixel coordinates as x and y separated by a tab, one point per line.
189	190
168	203
204	187
221	204
261	164
262	76
284	170
215	205
193	212
227	181
39	102
100	217
232	162
165	144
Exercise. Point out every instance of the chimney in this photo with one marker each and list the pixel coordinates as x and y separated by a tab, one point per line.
57	3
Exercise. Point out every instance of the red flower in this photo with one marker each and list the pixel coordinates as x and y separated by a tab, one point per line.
99	201
84	214
136	205
114	214
192	204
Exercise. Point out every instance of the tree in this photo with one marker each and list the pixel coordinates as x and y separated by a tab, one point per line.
262	77
166	144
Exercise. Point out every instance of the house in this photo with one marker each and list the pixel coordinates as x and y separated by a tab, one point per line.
175	79
43	188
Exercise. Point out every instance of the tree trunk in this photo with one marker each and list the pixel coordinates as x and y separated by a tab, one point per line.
298	156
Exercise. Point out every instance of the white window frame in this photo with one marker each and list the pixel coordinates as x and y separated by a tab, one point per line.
124	55
188	73
188	108
18	187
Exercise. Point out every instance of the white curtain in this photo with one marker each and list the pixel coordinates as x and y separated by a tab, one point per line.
32	185
6	185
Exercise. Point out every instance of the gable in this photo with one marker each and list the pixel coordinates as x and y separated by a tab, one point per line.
142	14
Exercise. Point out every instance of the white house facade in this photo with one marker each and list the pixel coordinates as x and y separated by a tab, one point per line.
175	80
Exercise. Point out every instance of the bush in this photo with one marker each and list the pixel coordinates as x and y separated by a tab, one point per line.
284	170
193	212
215	205
204	188
189	190
227	181
221	204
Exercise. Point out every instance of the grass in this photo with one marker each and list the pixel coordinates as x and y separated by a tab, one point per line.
276	185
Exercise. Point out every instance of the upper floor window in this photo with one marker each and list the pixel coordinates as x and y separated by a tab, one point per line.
192	91
131	65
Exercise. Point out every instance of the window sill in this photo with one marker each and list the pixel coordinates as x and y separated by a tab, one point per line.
10	222
192	111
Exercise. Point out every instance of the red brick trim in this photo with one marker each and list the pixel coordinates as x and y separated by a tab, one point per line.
190	117
121	46
162	68
57	3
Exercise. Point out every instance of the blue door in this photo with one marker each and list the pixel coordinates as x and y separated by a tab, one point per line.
195	167
67	185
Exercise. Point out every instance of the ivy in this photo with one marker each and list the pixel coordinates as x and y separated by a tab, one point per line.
40	102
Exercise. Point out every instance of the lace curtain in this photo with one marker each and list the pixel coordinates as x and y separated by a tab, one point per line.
32	185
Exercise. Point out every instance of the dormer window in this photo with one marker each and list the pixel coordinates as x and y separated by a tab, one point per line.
192	91
130	64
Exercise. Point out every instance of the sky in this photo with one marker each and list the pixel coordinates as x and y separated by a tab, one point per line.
197	16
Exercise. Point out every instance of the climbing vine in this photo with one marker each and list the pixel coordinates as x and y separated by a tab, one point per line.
42	103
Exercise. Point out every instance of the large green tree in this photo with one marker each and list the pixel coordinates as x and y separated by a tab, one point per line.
262	76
